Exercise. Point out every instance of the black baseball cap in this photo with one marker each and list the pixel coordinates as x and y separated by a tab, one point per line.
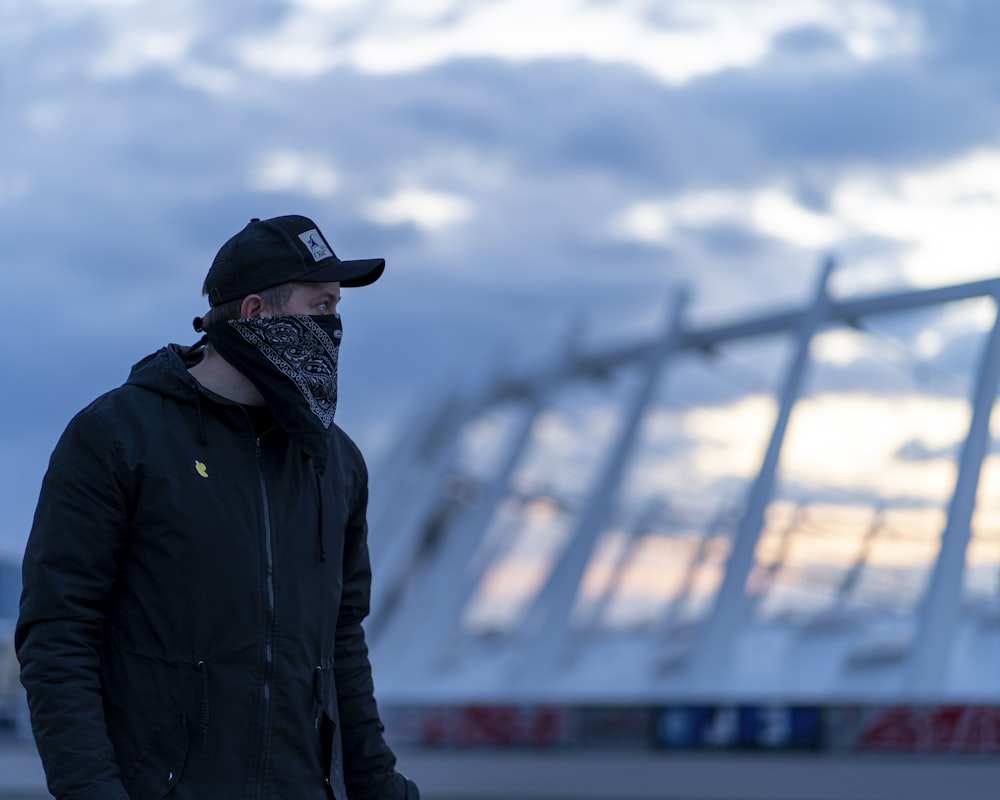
273	251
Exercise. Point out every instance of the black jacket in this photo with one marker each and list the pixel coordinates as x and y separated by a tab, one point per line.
190	623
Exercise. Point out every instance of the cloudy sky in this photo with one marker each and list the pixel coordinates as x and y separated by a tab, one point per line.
519	163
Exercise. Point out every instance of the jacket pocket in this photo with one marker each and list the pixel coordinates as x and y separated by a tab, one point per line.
160	763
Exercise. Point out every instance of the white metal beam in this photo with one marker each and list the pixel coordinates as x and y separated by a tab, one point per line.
555	601
711	654
941	603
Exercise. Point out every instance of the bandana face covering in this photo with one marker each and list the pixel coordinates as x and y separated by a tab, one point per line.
292	360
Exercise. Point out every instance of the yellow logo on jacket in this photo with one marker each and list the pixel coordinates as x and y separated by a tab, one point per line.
200	468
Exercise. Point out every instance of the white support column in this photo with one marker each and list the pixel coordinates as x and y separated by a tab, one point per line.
407	518
554	602
452	576
940	609
729	610
456	571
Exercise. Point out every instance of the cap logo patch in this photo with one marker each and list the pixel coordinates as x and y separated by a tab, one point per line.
316	244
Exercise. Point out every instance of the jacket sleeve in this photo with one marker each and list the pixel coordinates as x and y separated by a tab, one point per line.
68	574
369	763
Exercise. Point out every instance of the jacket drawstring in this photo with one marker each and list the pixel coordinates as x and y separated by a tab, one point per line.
203	703
319	692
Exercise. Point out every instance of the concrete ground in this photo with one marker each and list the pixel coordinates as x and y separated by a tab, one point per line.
611	775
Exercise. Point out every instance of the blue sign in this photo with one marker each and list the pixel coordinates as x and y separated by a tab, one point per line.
739	728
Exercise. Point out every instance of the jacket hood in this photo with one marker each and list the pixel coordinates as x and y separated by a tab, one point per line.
166	372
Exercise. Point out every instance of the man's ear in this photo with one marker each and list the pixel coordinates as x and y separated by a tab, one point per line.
252	307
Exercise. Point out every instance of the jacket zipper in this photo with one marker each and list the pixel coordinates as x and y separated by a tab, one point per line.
269	628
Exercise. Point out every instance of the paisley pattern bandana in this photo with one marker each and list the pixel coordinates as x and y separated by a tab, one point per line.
303	352
292	360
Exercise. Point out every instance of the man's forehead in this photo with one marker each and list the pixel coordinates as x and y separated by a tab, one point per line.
332	288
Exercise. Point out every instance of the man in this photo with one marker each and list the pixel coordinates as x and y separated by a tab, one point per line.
197	570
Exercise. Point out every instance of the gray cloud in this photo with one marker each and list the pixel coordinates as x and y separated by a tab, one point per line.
116	191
